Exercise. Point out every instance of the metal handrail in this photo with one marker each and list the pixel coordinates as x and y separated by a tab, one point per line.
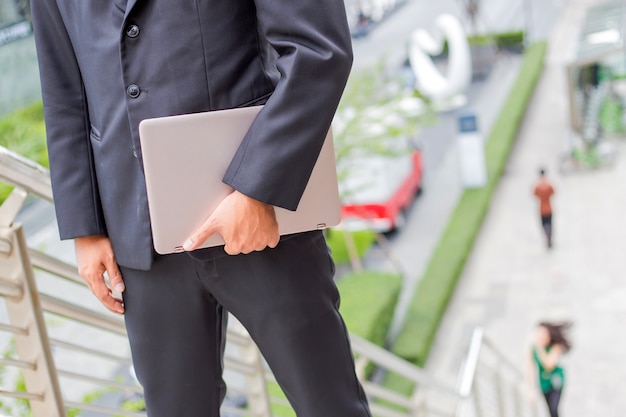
387	395
103	410
13	329
82	314
464	395
100	381
248	365
123	360
10	288
55	266
502	357
17	363
35	179
25	174
400	366
468	372
21	395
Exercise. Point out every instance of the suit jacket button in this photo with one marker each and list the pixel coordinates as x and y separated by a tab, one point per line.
132	31
133	91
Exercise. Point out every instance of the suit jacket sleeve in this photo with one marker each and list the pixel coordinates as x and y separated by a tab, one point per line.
74	185
312	40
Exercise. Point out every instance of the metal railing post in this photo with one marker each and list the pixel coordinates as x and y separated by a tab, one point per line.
467	408
497	381
537	410
468	374
472	407
477	401
419	403
25	312
518	401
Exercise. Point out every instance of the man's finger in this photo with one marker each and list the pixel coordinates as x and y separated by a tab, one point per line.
115	276
206	230
117	306
113	304
103	293
275	242
231	251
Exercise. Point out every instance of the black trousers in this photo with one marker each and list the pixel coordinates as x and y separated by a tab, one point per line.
546	223
285	297
553	398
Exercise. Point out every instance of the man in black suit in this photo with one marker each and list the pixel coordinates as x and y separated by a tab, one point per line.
108	64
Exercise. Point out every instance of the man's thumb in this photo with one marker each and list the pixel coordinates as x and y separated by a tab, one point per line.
208	228
115	277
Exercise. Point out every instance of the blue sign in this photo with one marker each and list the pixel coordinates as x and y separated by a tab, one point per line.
468	123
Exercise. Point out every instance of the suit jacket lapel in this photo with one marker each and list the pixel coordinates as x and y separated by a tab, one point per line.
129	6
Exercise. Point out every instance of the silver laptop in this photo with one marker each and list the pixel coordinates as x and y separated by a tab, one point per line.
185	158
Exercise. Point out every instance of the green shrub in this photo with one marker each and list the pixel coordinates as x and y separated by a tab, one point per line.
509	39
368	302
336	240
611	116
448	260
23	132
502	40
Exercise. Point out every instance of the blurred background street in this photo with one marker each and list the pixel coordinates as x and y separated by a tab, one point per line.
389	38
509	280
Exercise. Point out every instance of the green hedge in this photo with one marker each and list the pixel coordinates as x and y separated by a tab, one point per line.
368	301
510	39
611	116
23	132
502	40
336	240
439	280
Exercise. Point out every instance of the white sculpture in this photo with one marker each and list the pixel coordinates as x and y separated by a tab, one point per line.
446	91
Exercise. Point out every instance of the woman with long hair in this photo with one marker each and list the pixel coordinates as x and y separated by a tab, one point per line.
549	345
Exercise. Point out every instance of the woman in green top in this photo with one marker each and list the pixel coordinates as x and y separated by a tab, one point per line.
550	343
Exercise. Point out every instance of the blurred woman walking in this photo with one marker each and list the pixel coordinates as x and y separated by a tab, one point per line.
549	345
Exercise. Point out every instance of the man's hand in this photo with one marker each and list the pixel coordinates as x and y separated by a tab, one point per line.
95	256
245	224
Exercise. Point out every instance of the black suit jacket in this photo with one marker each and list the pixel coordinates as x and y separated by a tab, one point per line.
106	65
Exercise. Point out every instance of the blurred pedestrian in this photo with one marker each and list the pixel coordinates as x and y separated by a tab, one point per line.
550	343
544	191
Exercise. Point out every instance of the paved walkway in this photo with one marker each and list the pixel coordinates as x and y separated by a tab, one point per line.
511	280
